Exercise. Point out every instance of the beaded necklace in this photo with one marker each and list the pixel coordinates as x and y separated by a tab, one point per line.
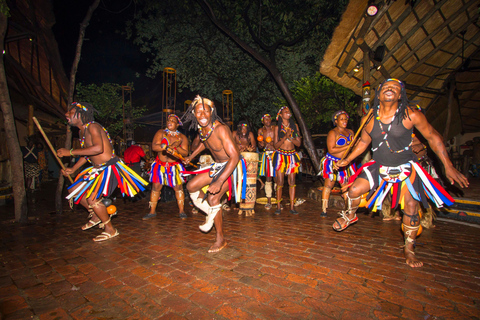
204	138
172	133
385	133
82	141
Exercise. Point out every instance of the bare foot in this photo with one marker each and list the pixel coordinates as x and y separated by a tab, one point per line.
410	258
217	247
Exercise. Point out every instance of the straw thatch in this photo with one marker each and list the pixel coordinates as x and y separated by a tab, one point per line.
429	44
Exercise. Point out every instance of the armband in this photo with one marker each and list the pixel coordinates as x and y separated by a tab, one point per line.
71	153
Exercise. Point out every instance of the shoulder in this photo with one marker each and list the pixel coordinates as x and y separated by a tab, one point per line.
415	114
94	127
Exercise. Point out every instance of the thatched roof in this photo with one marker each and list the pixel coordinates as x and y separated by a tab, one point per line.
33	65
431	45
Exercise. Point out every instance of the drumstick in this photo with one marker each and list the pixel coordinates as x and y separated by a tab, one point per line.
51	147
175	154
353	142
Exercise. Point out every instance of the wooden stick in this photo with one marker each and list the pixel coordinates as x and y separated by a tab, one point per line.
51	147
174	153
365	120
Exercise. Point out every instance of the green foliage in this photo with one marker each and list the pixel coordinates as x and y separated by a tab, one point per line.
4	9
290	34
318	98
107	99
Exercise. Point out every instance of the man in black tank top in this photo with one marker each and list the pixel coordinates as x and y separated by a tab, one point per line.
390	131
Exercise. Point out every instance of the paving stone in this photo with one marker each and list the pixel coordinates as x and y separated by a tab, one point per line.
271	269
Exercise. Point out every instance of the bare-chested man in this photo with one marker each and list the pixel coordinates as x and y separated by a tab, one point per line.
102	178
167	169
285	159
391	131
265	138
244	138
216	137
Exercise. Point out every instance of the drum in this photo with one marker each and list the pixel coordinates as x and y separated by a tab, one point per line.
248	205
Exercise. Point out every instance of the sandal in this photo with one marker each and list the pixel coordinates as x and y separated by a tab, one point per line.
226	207
323	214
343	214
278	211
293	211
90	224
105	236
268	206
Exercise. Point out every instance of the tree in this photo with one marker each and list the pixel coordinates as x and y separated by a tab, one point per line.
286	40
312	92
71	89
107	100
16	156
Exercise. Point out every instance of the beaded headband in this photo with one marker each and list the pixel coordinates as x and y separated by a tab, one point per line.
76	104
396	80
280	111
265	115
179	121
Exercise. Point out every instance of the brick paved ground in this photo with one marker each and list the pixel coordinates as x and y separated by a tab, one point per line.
275	267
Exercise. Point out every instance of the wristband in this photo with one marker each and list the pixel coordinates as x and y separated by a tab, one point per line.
71	153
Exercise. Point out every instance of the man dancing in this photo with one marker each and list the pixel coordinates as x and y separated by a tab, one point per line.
338	140
244	138
394	168
166	169
101	179
265	138
286	160
216	137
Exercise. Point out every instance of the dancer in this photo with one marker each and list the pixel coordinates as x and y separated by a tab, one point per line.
244	138
338	140
285	159
166	169
265	141
394	167
101	179
216	137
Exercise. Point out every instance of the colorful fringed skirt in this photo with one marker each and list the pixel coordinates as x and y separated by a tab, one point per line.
286	161
409	177
98	182
342	175
167	173
237	182
266	165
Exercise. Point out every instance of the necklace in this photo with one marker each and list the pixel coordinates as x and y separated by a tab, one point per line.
203	137
386	132
172	133
82	141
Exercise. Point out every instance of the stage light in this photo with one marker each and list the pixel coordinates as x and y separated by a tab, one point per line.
357	68
372	9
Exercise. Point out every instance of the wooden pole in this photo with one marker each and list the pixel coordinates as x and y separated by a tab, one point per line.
51	147
354	140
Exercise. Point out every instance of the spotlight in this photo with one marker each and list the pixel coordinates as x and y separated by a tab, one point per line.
357	68
379	67
372	9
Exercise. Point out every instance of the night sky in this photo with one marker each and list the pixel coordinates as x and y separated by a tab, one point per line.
106	54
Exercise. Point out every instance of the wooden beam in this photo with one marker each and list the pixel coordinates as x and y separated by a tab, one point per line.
411	31
450	61
431	35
